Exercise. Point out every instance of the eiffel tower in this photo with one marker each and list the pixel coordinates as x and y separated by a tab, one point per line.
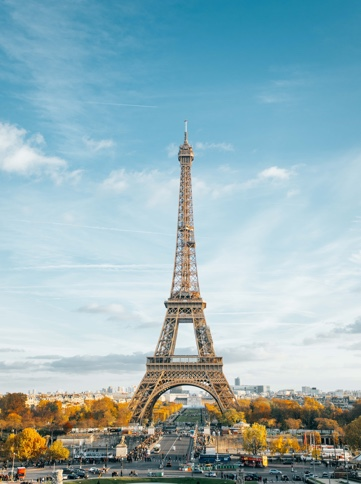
165	369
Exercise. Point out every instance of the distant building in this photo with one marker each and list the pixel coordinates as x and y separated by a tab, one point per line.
310	391
237	381
259	389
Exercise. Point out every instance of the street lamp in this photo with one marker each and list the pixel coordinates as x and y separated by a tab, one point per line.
12	468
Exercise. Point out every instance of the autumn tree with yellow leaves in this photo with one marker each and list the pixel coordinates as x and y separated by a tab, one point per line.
28	444
255	438
284	444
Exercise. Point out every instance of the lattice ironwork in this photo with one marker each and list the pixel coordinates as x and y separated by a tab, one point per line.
166	370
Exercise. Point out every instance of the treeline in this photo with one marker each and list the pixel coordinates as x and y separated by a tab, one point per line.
54	417
289	414
16	415
283	414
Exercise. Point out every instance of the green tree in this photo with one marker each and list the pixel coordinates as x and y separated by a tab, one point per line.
57	451
255	438
353	434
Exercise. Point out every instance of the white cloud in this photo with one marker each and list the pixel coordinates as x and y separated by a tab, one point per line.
275	173
99	145
19	155
116	181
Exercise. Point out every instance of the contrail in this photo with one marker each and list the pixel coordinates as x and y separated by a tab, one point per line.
121	104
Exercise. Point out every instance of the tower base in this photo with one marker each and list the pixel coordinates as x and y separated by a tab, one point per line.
166	372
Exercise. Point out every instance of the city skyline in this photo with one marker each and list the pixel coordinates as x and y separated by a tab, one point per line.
93	100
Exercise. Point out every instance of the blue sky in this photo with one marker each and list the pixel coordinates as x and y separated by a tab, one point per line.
93	96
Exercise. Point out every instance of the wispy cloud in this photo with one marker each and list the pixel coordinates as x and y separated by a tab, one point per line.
98	145
11	350
274	173
346	329
78	364
214	146
121	104
172	150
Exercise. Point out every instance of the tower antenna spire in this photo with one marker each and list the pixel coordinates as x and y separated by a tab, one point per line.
186	131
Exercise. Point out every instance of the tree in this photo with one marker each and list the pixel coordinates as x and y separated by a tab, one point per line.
255	438
283	444
28	444
353	434
310	411
293	423
261	408
14	421
13	403
285	409
327	424
57	451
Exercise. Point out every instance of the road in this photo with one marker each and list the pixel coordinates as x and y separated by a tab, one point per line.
175	457
176	448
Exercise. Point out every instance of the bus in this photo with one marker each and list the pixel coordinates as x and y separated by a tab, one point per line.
254	460
214	458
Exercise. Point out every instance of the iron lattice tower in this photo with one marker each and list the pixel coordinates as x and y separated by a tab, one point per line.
166	370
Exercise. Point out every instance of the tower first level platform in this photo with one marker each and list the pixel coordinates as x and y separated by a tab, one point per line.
166	372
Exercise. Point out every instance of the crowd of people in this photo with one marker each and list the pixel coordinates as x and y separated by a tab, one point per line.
141	451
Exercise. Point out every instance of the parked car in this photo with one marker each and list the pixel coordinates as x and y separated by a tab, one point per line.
73	476
275	471
296	478
324	474
285	478
210	474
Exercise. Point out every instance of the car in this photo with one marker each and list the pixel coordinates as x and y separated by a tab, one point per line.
94	470
197	471
285	478
254	476
168	464
67	471
81	473
296	478
275	471
210	474
316	463
324	474
73	476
